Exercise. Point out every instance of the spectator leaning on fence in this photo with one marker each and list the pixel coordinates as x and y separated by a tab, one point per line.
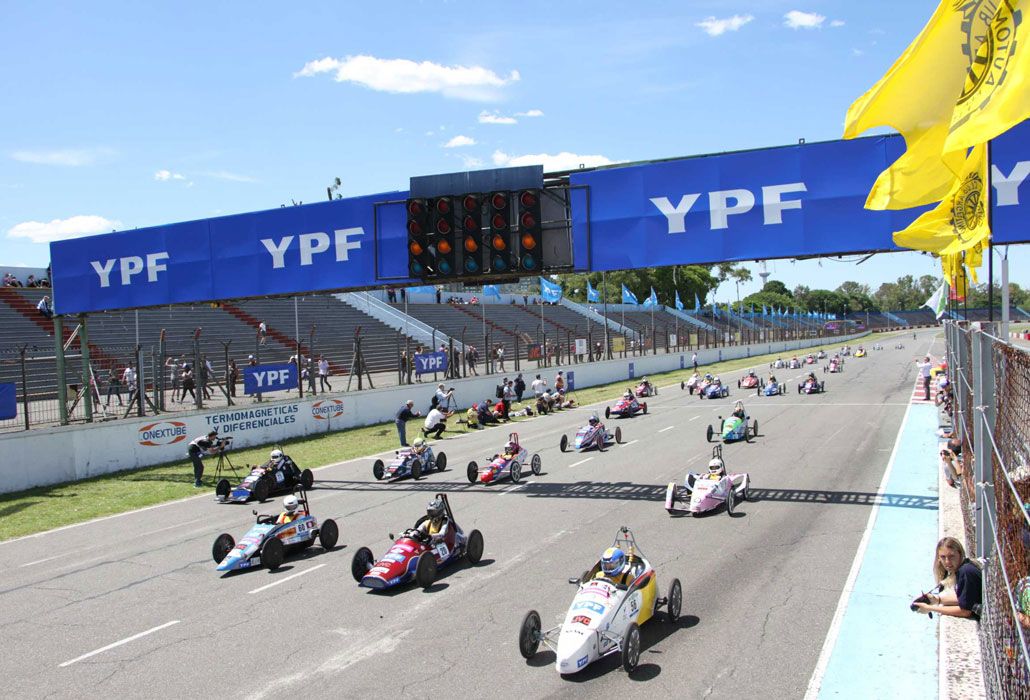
401	419
951	567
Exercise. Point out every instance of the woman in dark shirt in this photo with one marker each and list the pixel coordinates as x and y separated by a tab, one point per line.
965	599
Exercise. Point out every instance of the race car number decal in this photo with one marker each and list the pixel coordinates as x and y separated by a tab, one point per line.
279	477
441	550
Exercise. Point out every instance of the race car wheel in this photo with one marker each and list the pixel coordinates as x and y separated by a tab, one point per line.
738	383
222	546
730	498
441	462
710	433
261	489
474	547
783	389
822	387
607	412
425	570
222	489
361	563
746	493
675	604
683	385
515	469
328	534
747	434
378	469
631	648
645	407
472	471
654	391
535	464
754	428
799	388
272	553
416	469
618	435
563	444
307	479
529	635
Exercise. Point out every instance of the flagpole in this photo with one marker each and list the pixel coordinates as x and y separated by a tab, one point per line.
990	241
604	299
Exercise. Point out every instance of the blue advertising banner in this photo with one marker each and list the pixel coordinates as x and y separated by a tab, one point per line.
8	401
430	362
261	379
794	201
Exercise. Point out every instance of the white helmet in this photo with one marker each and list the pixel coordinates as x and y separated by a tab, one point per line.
276	455
290	503
716	466
509	447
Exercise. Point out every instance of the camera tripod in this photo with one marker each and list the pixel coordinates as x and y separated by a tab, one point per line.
224	464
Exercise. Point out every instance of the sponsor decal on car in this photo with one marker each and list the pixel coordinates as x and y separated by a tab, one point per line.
165	432
581	662
327	409
581	620
589	605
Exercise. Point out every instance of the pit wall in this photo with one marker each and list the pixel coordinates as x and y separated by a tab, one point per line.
50	456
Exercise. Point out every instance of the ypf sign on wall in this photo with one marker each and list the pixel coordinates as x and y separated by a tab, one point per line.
262	379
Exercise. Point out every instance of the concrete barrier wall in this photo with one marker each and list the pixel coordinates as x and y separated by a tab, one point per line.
44	457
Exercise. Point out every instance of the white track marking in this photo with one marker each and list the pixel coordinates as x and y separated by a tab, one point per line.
815	682
287	578
40	561
516	487
119	643
576	464
627	444
694	418
669	428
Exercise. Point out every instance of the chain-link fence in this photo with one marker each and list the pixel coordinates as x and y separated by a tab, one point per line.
991	381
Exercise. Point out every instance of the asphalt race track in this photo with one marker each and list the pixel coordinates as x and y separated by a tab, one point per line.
131	606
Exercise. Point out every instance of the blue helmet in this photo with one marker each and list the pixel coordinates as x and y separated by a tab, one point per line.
613	561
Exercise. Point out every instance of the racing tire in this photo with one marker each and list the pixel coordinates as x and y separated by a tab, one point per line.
474	547
425	570
675	600
261	490
515	470
529	635
655	390
222	489
783	390
441	462
328	534
607	412
631	648
754	428
563	444
645	408
747	434
731	498
822	387
272	553
361	563
738	383
472	471
416	470
710	433
745	495
222	546
536	464
618	435
378	469
683	385
307	479
799	388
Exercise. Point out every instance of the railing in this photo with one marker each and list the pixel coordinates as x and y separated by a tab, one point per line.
991	415
377	308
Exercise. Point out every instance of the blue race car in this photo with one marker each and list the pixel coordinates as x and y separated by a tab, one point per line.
409	461
268	542
714	390
773	388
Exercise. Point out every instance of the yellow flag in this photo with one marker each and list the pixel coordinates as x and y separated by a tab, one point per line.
959	222
917	96
996	93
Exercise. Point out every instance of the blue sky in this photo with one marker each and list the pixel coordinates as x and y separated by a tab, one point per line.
131	115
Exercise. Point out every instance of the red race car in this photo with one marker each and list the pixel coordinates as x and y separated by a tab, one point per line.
645	389
509	462
415	556
749	381
626	407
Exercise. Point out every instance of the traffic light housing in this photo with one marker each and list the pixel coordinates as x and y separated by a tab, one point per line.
442	235
530	231
498	238
421	258
472	244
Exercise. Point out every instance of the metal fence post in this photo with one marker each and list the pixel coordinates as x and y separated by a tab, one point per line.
87	370
24	388
983	418
62	376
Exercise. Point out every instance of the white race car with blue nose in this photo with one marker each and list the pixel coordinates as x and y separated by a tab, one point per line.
605	616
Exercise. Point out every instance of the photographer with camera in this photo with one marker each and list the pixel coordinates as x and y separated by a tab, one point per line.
208	444
436	422
960	583
951	462
442	398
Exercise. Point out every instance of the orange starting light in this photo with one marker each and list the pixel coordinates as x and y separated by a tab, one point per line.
416	248
470	245
498	243
528	242
444	247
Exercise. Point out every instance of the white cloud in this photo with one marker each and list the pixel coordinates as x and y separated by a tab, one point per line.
399	75
166	175
796	19
459	141
60	229
494	118
470	162
70	157
837	23
231	177
530	113
551	163
715	27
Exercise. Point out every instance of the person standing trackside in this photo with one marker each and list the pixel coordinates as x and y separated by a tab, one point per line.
114	386
924	372
198	448
323	373
262	332
401	419
693	360
234	377
520	387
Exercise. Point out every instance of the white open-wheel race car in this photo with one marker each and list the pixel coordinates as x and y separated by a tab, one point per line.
605	616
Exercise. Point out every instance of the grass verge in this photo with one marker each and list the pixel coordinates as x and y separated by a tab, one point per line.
48	507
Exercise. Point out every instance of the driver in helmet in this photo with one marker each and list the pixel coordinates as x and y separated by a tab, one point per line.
645	383
772	382
419	447
291	510
738	410
614	566
436	525
716	468
510	449
280	462
810	381
594	420
629	394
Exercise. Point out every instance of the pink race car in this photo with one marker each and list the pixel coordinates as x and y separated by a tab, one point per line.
701	493
509	462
